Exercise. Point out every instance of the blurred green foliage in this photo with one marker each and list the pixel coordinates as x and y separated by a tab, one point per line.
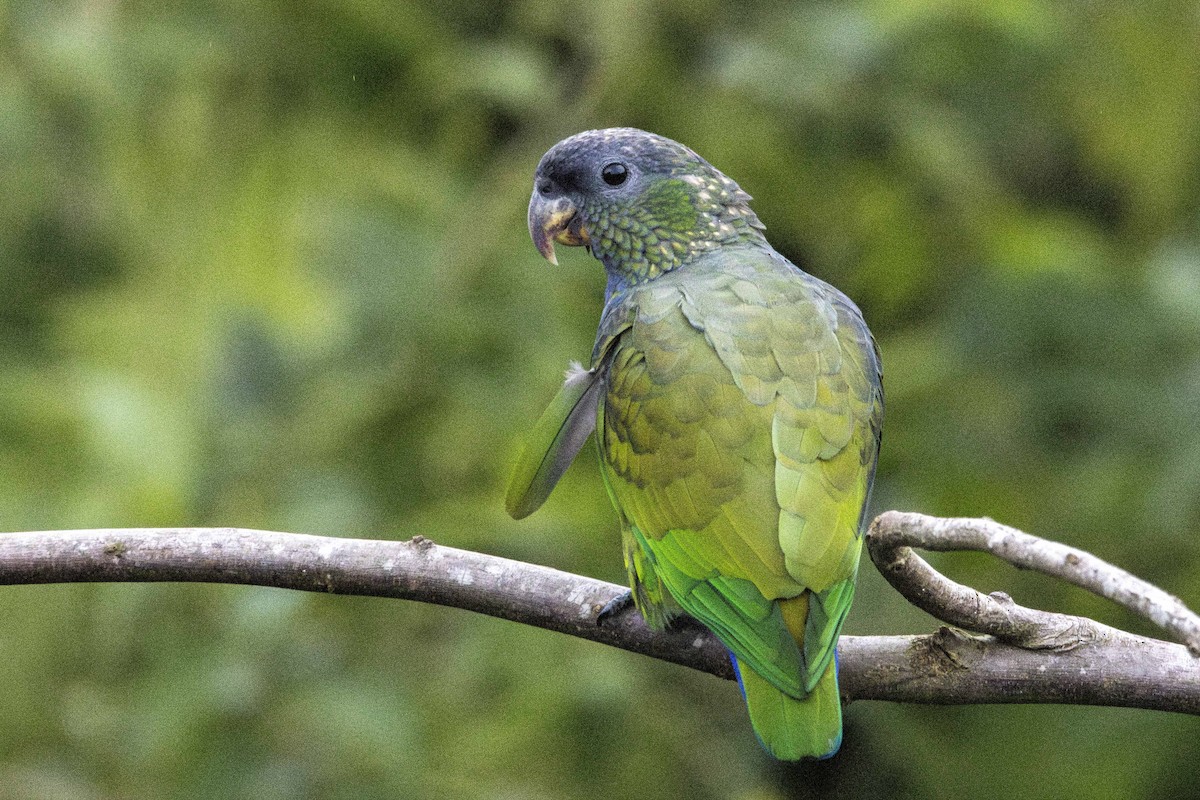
264	264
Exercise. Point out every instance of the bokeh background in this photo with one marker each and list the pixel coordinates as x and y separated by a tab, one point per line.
264	264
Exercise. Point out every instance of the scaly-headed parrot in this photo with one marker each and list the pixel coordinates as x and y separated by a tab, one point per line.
737	404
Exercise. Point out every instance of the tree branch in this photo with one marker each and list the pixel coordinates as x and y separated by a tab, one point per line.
893	533
1114	668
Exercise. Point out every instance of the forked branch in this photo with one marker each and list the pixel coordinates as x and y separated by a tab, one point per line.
894	533
1029	656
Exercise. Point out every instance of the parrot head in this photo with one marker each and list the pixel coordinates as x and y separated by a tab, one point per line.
641	203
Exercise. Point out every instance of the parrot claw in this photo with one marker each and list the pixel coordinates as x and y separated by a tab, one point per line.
614	607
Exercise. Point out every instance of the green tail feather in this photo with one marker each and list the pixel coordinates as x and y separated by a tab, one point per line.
792	729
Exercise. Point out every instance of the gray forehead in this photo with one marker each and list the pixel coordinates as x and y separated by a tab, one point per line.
624	143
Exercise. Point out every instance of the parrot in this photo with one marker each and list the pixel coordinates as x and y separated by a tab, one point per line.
737	406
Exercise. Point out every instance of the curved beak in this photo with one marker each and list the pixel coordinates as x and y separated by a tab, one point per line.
554	219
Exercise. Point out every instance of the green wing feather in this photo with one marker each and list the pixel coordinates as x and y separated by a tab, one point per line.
738	428
553	443
561	431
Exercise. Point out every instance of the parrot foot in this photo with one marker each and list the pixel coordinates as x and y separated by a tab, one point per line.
614	607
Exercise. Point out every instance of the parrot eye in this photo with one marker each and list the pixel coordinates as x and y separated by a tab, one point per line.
614	174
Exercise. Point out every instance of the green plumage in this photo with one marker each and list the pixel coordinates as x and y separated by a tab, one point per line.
738	410
553	444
